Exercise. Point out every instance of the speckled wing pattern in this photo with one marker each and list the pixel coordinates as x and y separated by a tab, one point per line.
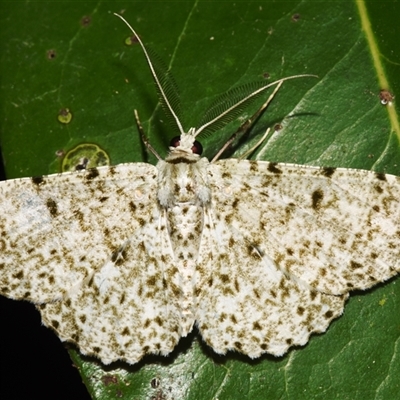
285	244
89	249
269	259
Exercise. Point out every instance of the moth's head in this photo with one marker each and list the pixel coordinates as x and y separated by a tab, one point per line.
186	143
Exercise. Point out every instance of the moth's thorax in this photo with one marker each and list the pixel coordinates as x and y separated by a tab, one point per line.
182	179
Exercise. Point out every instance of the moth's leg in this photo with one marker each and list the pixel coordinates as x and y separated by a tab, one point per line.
143	136
244	128
248	152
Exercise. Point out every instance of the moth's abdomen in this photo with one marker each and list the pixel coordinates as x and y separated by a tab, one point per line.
185	224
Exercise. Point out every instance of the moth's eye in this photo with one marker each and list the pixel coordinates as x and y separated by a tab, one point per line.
197	148
175	141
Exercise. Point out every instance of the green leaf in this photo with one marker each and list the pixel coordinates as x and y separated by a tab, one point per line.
53	59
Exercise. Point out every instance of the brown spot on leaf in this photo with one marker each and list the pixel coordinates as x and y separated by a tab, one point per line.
86	20
51	54
296	17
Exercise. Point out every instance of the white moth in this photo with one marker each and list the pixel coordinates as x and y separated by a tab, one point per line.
124	260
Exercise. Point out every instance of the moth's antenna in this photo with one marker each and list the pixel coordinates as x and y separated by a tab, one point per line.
246	99
156	79
145	139
247	125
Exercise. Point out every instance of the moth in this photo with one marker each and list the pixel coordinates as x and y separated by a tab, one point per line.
123	261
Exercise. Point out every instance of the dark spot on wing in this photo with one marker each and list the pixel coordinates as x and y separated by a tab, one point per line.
235	203
257	326
355	265
151	281
253	166
316	198
125	332
92	173
272	167
238	345
328	171
380	176
37	180
224	278
18	275
378	189
132	206
52	207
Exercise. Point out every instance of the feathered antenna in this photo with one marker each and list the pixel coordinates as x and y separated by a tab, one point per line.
224	109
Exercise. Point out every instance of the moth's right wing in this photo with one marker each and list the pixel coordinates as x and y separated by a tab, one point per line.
92	250
56	230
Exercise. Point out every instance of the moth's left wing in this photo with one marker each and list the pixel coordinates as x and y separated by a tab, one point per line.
335	230
282	245
244	300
